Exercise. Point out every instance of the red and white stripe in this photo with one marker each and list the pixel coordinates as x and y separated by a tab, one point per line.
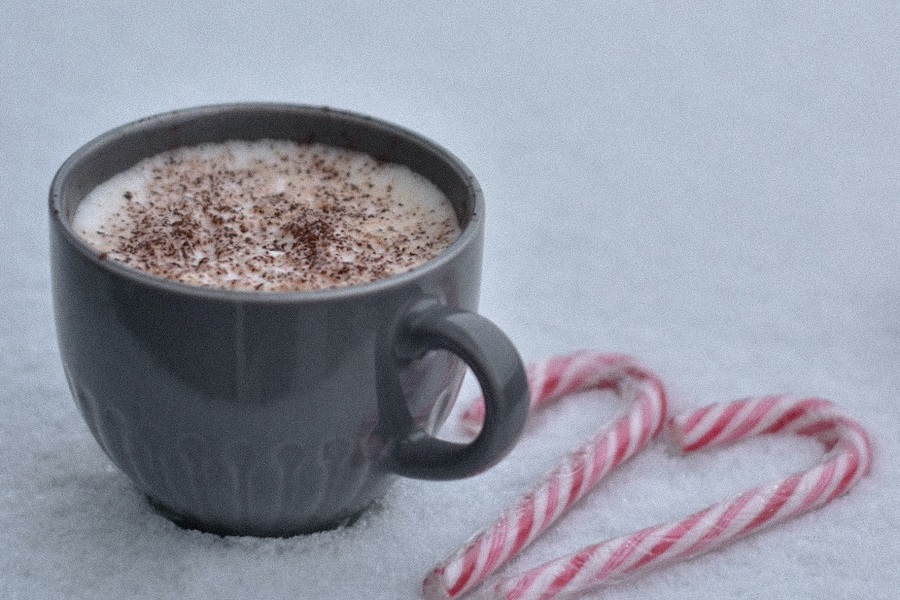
574	477
848	458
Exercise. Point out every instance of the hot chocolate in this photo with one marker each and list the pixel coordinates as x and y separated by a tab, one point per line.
268	215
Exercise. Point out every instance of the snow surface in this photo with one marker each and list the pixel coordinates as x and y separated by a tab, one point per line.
713	188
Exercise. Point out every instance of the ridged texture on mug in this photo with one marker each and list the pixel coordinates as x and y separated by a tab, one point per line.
236	489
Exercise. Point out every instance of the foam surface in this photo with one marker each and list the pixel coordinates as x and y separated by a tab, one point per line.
269	216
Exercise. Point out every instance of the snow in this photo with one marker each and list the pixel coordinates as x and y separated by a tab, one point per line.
711	189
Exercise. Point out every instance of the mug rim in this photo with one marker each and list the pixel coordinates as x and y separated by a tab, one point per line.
470	230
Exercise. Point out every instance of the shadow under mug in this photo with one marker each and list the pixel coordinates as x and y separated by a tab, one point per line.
277	413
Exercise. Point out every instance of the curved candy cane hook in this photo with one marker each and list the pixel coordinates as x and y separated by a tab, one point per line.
574	477
848	458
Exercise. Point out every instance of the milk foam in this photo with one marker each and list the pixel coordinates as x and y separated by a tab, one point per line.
267	215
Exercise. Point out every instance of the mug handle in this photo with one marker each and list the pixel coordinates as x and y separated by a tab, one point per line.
432	325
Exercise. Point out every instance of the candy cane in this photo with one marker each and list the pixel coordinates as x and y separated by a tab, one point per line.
848	458
575	476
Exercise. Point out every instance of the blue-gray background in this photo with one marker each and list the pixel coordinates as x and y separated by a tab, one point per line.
712	187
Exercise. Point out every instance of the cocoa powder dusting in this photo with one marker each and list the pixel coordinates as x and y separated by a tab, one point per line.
294	217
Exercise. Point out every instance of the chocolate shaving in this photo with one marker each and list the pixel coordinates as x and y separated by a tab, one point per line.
310	217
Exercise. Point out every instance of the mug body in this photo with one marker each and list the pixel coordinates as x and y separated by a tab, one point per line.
244	412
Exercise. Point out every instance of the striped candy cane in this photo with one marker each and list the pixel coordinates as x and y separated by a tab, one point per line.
574	477
848	458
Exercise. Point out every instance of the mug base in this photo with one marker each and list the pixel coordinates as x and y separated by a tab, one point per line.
194	524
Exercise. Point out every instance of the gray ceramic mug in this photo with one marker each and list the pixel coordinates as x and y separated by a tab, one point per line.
276	413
